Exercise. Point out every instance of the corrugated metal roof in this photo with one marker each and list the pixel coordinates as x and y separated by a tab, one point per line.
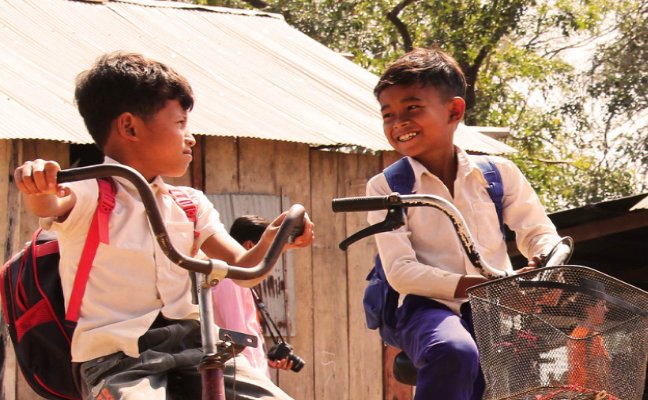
252	73
471	138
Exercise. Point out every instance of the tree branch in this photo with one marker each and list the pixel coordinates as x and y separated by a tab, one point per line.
400	26
256	3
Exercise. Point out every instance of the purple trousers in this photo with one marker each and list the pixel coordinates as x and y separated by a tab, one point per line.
442	347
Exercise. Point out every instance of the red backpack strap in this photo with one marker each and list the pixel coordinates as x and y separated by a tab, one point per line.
182	199
98	232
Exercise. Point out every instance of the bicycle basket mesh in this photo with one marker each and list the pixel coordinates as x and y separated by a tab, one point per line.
563	332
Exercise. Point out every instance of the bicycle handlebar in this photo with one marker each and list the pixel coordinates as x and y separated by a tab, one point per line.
372	203
367	203
213	269
558	255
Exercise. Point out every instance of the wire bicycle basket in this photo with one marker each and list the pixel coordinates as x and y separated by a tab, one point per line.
558	333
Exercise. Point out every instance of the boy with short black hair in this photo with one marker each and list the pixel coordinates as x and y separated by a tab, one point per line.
138	334
421	98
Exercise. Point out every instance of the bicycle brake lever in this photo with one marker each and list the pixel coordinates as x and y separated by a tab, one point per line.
393	220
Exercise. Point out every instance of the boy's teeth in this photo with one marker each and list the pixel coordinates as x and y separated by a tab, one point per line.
406	137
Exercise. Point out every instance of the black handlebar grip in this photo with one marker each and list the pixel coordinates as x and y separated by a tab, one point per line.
367	203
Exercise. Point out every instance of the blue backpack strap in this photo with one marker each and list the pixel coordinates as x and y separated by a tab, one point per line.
495	187
400	176
380	300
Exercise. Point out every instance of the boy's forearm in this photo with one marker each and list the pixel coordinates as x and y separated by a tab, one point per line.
47	205
250	259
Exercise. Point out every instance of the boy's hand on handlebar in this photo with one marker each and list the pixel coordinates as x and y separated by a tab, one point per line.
44	197
303	240
535	262
38	177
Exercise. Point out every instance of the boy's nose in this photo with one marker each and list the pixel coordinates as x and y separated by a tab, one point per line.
190	140
401	124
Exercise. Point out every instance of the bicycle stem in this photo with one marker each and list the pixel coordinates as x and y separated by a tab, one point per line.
214	270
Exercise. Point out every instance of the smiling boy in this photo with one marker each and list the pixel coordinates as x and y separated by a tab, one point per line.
421	97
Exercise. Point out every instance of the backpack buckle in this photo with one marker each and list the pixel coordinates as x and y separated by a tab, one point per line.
106	196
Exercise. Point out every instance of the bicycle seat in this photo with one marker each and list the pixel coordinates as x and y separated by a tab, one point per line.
404	370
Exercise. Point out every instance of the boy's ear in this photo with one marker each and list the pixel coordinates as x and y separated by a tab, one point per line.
125	124
457	107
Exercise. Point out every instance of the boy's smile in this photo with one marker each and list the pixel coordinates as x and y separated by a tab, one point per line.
406	137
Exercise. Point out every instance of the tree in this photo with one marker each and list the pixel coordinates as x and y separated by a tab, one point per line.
511	53
619	77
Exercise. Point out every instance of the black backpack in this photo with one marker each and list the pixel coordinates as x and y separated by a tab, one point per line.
33	305
380	300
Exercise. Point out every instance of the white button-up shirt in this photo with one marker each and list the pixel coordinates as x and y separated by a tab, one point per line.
425	256
131	280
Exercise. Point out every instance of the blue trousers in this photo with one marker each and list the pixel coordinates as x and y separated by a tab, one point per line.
441	345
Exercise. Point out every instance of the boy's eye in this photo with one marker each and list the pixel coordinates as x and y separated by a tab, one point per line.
413	107
386	115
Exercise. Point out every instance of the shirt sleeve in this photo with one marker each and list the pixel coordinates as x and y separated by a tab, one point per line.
208	220
535	234
405	273
78	219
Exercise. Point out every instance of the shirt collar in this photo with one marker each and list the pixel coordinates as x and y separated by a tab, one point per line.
468	167
157	185
465	167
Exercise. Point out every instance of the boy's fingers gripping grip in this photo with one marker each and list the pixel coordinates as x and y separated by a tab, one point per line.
367	203
296	232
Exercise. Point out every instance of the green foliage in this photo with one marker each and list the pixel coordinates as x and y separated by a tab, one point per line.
511	54
620	81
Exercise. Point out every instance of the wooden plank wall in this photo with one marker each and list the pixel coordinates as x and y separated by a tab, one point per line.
343	358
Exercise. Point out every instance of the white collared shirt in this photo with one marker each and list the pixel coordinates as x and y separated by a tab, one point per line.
425	257
131	280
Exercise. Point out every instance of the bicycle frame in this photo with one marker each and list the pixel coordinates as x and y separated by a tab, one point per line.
210	271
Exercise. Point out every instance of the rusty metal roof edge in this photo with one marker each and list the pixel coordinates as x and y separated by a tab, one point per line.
605	208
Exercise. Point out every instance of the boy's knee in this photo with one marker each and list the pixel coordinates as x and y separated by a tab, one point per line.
453	356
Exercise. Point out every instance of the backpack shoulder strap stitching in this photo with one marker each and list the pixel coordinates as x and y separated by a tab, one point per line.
98	232
189	207
182	199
